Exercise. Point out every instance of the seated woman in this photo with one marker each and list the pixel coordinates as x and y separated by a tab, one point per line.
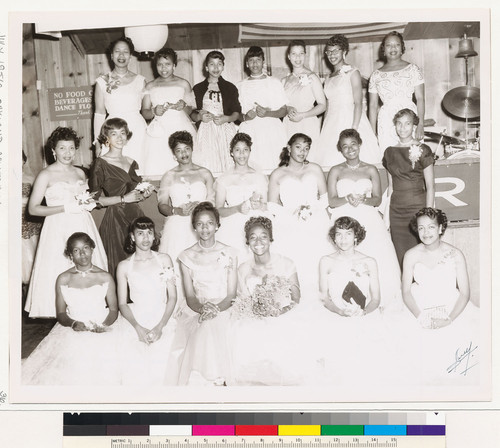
150	279
81	340
268	287
239	193
436	292
354	190
349	283
199	354
435	280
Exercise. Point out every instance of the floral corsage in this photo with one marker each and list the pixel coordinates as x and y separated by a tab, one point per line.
345	69
360	270
111	83
86	200
304	79
142	187
414	154
167	275
225	260
304	212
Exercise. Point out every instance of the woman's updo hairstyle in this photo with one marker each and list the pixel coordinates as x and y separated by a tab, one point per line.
140	223
60	134
177	137
340	40
125	40
433	213
77	236
285	152
404	112
259	221
166	53
113	124
296	43
240	137
348	223
349	133
205	207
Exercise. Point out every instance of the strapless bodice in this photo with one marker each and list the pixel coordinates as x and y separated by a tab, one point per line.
185	191
86	304
350	186
64	192
295	192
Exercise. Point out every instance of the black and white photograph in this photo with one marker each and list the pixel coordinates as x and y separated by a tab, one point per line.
250	209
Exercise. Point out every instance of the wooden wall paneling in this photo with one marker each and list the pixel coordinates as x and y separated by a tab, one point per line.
48	63
197	61
97	64
436	75
32	140
184	67
234	65
74	74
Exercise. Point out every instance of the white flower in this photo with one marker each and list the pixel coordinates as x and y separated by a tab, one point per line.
414	152
167	275
360	270
304	212
304	79
86	200
143	186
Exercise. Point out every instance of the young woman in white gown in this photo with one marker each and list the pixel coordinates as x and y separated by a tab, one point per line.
168	101
297	197
268	347
81	348
118	94
181	189
200	352
263	103
240	193
344	91
443	322
350	290
306	99
146	297
354	190
60	184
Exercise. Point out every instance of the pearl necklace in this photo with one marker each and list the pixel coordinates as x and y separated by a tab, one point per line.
207	248
84	273
257	76
114	73
353	167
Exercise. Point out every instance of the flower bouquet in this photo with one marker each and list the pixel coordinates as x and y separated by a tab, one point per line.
144	187
304	212
414	154
267	299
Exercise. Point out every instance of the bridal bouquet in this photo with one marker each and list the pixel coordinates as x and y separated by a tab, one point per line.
266	300
144	186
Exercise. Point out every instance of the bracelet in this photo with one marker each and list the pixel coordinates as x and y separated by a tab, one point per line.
122	200
73	323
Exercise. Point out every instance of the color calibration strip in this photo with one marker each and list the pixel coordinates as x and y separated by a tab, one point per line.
235	424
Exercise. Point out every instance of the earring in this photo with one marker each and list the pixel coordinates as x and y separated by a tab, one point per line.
54	154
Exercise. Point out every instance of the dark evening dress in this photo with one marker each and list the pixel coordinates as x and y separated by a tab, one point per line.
408	195
114	181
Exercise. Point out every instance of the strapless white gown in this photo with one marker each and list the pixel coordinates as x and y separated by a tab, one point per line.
305	241
68	357
428	355
158	158
377	244
231	231
178	233
50	260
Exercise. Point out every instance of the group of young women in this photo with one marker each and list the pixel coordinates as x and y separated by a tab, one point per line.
241	287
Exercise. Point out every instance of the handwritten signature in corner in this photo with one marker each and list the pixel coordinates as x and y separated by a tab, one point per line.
3	396
463	359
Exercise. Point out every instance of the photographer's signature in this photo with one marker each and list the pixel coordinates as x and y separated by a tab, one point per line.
3	396
463	360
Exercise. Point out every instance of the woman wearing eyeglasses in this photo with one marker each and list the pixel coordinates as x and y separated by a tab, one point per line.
344	93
